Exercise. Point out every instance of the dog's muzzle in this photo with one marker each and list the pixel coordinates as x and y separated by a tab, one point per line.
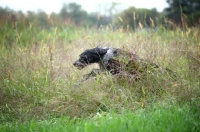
79	65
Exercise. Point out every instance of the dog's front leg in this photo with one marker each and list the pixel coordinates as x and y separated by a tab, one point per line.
93	73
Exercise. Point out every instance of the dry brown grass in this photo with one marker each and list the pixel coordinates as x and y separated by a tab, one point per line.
39	81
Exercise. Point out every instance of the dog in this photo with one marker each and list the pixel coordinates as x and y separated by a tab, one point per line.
114	61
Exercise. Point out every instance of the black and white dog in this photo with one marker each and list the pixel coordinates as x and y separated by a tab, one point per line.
115	61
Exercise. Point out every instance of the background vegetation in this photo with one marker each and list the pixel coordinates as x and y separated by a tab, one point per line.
39	88
180	12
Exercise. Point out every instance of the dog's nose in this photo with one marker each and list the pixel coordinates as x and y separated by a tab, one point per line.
74	63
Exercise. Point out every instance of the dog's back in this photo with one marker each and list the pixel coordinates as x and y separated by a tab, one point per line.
115	61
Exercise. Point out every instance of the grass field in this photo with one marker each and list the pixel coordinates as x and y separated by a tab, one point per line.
39	91
155	119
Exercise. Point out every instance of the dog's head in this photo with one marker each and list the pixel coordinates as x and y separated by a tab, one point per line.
90	56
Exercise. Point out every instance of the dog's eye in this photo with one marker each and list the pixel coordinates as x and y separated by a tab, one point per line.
83	58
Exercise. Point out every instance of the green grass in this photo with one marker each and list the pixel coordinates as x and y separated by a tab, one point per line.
39	91
154	119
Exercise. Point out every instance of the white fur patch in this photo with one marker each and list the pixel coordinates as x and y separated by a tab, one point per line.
107	56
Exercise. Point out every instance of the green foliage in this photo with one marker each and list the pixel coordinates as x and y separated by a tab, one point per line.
71	13
139	18
155	119
184	12
181	13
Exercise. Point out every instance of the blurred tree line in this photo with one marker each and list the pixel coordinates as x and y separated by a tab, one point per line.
183	12
71	14
179	12
138	18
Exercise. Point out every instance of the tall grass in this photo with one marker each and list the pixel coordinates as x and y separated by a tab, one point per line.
38	81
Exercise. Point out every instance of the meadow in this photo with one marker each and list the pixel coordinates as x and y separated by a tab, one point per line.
39	88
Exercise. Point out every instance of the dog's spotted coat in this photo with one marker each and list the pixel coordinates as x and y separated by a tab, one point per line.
114	61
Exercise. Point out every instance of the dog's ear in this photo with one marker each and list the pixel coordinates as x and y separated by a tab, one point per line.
100	51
